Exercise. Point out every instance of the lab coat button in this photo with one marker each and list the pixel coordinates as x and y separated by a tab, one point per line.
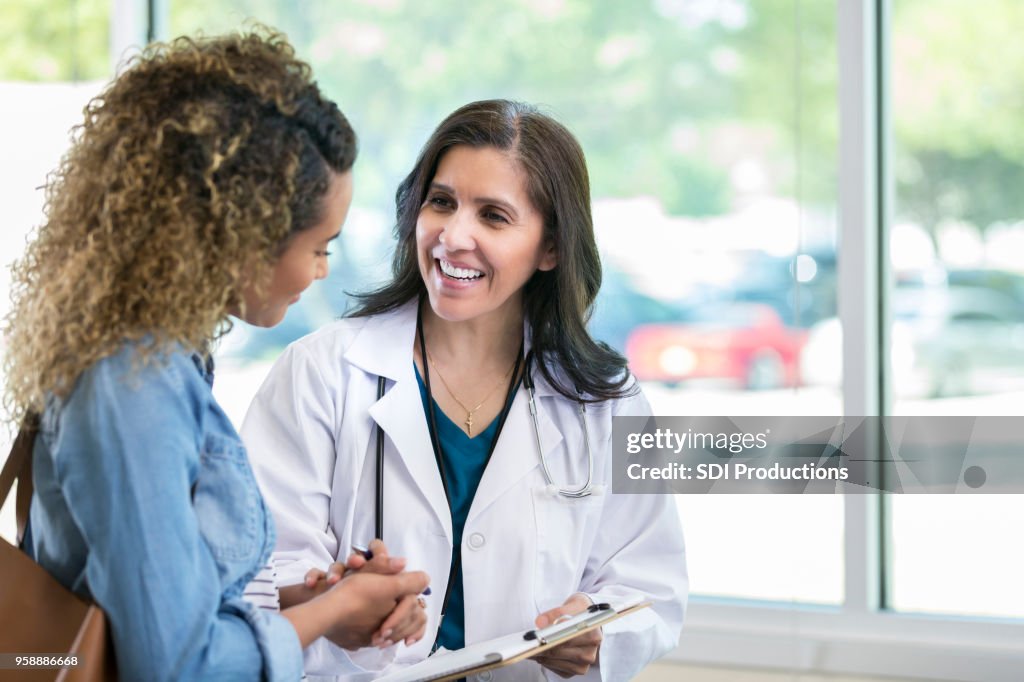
476	540
486	676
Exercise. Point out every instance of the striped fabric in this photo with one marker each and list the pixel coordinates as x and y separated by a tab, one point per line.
262	590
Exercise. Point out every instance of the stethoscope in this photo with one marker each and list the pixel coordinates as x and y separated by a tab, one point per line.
587	488
572	493
584	490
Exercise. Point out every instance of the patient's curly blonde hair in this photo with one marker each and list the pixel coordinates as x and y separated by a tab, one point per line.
195	165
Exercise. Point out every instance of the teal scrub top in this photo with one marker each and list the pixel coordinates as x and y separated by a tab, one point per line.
465	459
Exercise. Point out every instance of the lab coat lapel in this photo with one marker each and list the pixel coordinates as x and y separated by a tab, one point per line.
384	348
400	414
516	453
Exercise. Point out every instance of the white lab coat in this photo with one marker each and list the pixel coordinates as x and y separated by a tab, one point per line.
311	436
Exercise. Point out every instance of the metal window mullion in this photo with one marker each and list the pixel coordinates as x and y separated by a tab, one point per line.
861	224
885	185
159	20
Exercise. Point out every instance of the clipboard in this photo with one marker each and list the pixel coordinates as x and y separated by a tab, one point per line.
508	649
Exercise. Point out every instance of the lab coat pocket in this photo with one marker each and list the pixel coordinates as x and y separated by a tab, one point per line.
565	533
227	503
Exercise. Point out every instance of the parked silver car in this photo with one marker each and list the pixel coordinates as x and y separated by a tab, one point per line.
945	341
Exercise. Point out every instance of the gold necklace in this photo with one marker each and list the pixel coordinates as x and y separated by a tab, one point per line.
469	412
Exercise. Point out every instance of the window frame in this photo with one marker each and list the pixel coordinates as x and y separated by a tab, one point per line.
860	637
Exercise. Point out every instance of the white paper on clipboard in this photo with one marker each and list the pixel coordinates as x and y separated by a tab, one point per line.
511	648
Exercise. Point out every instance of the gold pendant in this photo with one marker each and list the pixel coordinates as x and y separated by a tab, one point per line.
469	424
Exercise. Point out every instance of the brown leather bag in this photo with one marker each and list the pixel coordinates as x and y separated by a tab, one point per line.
41	616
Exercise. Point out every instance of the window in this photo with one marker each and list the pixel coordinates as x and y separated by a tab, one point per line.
40	43
727	140
51	64
714	202
958	298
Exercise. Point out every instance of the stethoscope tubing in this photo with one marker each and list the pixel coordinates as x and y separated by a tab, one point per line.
378	524
586	489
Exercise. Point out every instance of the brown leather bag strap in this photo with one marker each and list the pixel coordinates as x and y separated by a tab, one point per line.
19	467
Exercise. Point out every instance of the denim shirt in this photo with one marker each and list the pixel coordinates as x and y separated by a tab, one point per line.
145	502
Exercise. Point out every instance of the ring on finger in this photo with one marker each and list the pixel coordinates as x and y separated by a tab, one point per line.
422	602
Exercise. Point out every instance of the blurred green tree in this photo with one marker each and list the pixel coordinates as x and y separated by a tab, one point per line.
634	84
43	40
958	101
677	99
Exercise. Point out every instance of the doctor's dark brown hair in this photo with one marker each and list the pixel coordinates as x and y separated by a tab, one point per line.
557	303
195	166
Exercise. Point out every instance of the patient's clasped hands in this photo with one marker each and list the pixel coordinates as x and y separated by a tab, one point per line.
384	602
381	616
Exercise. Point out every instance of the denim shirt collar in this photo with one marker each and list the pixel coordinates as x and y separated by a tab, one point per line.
204	365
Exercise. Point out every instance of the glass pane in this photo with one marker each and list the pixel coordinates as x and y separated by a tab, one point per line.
714	202
957	247
51	62
35	120
770	547
44	41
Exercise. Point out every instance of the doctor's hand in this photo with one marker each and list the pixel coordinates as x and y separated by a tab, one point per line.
577	655
377	609
317	580
382	562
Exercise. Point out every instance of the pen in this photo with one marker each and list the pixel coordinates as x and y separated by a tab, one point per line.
368	555
363	551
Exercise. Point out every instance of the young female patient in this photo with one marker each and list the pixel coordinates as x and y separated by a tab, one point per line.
207	180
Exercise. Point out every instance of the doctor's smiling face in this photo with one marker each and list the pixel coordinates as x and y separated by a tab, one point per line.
479	237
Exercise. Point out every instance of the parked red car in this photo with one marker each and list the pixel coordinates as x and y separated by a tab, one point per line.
744	343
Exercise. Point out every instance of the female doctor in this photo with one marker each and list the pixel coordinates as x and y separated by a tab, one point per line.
464	414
